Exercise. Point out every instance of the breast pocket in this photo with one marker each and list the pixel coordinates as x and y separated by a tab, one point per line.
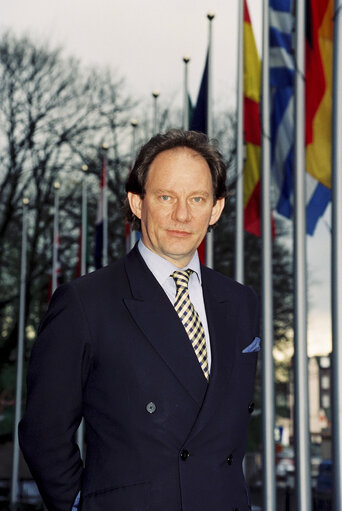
246	367
249	358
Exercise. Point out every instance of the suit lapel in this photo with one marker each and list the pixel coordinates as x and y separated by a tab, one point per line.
222	317
154	314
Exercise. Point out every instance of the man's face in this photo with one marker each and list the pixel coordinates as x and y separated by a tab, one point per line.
178	205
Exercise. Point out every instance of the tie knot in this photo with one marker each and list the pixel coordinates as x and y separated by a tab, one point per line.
181	277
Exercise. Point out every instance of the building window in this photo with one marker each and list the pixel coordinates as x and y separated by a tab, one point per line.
325	382
325	362
326	401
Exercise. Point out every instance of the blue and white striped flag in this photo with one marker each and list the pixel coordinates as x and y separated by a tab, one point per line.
282	119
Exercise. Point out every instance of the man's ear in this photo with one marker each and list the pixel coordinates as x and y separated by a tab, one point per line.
216	211
135	203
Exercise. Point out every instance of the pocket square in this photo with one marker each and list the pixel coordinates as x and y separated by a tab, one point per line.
254	346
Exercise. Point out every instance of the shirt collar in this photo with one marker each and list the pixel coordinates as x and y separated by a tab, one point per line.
161	268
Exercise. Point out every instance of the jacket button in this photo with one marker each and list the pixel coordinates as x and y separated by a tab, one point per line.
251	407
151	407
184	454
230	459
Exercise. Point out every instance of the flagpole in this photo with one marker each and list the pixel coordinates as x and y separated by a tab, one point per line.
20	358
84	221
84	236
268	416
239	231
133	233
134	124
105	206
209	243
186	122
301	425
55	244
155	95
336	281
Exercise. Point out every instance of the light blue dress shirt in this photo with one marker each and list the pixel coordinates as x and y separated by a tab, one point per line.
162	269
76	503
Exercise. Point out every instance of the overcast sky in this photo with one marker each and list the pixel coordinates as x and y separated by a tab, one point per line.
144	41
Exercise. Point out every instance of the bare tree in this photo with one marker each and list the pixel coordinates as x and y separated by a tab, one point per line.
54	117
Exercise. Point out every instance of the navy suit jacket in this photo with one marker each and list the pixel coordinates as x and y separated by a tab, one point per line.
112	349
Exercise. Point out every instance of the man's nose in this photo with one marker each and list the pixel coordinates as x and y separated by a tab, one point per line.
181	212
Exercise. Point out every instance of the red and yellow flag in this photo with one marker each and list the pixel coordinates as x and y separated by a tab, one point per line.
319	65
252	127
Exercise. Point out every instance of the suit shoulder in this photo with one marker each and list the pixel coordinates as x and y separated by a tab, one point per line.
93	289
101	278
224	284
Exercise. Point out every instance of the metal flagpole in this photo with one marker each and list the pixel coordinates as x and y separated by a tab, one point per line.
55	244
84	221
186	120
336	270
132	233
268	420
134	124
155	95
105	207
80	431
209	242
239	231
301	426
20	358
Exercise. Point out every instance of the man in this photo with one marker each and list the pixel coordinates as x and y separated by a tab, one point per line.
155	351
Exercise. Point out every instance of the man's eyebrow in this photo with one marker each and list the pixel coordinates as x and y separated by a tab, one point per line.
200	192
164	191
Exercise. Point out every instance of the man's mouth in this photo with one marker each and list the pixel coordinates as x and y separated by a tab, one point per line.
178	233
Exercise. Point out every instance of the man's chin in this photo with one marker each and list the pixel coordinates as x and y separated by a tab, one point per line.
182	254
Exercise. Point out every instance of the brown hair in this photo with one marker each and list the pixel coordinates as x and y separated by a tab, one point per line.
194	140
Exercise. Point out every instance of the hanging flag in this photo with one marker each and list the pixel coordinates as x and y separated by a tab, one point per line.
186	96
83	241
79	254
282	119
199	122
56	270
131	235
252	128
318	92
199	116
190	109
100	220
79	251
127	236
56	265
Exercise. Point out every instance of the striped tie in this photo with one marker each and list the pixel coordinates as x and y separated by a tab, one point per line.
190	319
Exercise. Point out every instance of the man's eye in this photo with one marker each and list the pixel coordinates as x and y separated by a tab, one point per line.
165	198
197	199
